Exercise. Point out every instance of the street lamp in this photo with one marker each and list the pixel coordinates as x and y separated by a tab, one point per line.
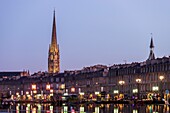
121	82
51	92
48	92
73	89
161	89
138	81
161	77
62	88
33	89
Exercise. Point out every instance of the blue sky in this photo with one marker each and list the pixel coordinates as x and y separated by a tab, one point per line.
89	32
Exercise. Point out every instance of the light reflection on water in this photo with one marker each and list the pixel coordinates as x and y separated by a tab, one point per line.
89	108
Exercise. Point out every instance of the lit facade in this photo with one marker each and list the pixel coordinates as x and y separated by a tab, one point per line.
140	79
94	82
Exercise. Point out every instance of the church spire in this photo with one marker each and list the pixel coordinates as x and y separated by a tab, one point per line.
151	44
54	34
151	55
53	55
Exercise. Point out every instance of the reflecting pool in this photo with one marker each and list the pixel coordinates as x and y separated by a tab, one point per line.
88	108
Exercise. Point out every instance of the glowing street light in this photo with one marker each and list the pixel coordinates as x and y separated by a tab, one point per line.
62	86
121	82
27	93
73	89
161	77
161	89
34	91
17	93
51	90
138	81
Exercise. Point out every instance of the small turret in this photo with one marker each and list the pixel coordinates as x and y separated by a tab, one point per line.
151	55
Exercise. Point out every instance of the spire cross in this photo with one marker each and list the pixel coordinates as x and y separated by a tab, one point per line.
54	10
151	34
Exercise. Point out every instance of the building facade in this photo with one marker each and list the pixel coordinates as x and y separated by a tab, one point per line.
144	80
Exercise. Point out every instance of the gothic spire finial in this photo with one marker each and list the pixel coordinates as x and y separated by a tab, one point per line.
151	55
151	44
54	36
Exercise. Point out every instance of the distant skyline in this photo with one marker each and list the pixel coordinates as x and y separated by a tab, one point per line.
89	32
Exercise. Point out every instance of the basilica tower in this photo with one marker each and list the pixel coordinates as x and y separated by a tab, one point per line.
53	54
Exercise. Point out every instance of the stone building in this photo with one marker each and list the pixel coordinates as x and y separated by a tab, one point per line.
142	80
154	78
13	74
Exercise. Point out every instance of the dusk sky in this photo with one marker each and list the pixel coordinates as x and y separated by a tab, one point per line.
89	32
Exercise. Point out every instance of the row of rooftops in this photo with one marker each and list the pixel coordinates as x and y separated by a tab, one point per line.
14	74
86	70
145	63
